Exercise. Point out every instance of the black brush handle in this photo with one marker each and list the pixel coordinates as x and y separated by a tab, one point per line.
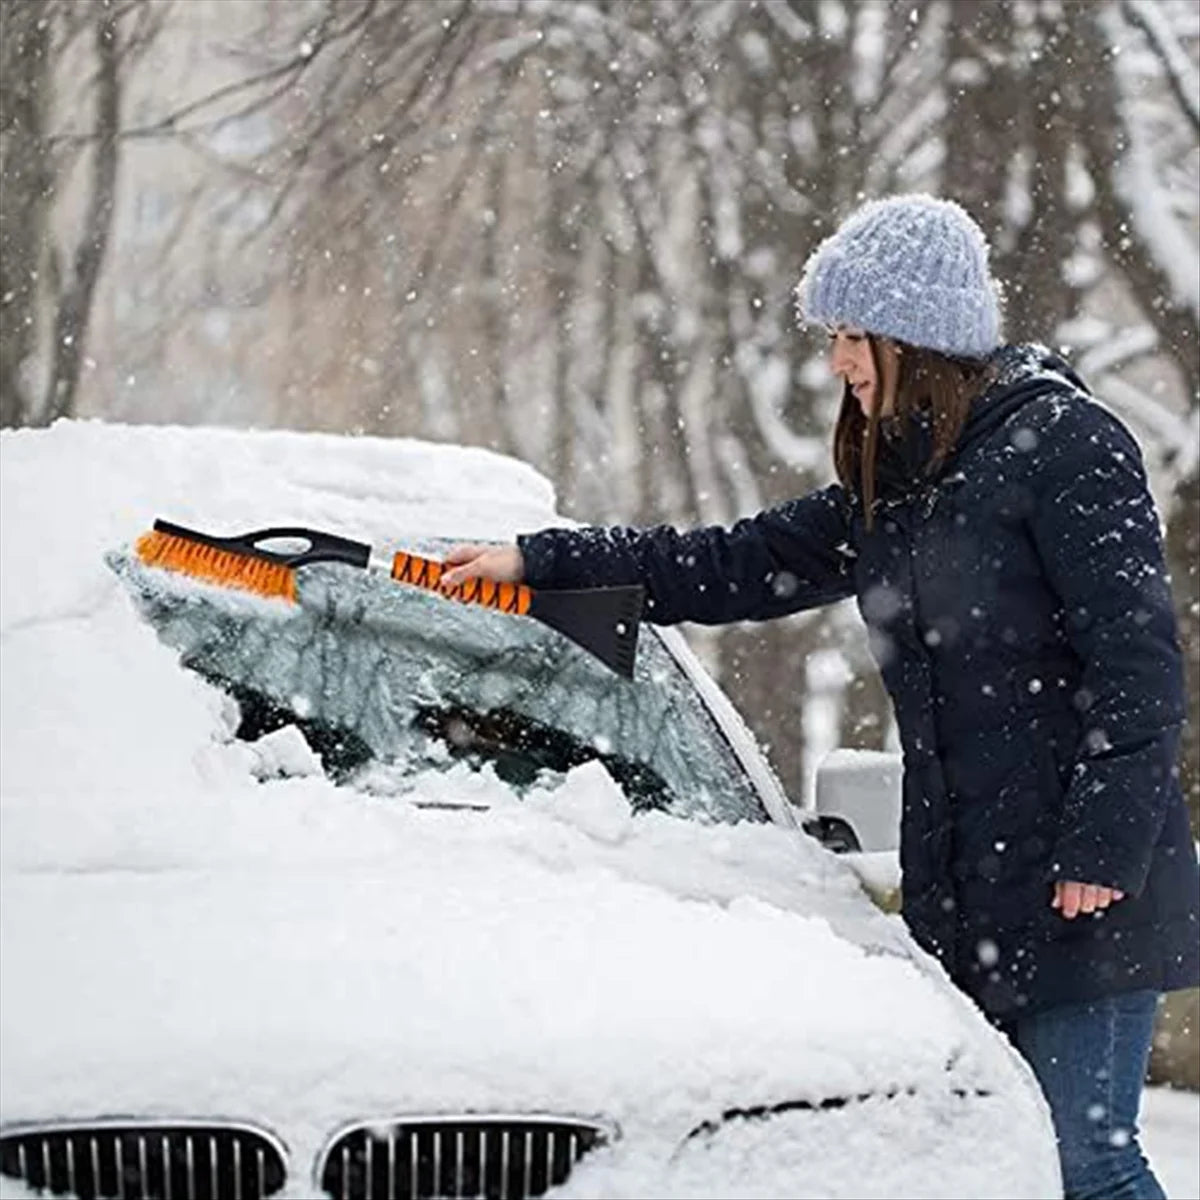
321	547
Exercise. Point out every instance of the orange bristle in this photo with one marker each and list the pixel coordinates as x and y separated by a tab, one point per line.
226	568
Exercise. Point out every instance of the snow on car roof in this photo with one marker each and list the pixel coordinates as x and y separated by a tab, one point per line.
82	487
73	492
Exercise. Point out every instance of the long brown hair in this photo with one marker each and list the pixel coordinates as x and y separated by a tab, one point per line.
928	382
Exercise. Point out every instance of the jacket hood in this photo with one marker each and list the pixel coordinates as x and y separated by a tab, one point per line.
1019	374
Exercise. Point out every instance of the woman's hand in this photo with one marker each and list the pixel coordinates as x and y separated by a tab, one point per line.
1073	898
501	564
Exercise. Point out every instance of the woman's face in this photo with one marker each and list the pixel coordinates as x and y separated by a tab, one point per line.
850	359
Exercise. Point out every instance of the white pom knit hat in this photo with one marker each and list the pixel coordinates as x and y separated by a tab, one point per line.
913	268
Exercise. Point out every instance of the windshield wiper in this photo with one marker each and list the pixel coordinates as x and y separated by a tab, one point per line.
521	748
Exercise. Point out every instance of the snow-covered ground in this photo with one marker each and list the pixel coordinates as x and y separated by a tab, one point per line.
181	938
1171	1138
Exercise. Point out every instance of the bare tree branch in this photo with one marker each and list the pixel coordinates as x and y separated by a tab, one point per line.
1181	72
75	304
25	62
1132	243
287	73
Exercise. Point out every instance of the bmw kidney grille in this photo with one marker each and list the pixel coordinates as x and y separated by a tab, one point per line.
140	1160
420	1158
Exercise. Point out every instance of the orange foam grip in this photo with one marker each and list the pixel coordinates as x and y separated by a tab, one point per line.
425	573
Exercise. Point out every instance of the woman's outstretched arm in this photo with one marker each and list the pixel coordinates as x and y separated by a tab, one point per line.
791	557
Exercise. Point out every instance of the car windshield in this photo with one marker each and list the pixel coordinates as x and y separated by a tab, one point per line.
391	681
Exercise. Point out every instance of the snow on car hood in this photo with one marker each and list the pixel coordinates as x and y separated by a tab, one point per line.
181	939
305	954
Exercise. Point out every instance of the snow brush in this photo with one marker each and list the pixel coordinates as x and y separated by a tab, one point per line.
604	621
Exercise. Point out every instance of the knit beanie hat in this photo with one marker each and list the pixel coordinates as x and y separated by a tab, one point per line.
913	268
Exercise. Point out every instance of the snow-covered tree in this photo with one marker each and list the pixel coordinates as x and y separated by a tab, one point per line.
62	73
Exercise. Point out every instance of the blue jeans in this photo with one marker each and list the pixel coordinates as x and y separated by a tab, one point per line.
1091	1060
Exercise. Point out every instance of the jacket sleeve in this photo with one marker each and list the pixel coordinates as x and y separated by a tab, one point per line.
1098	535
788	558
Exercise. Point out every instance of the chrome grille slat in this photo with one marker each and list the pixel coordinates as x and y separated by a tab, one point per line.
483	1162
458	1164
370	1153
120	1152
504	1145
413	1159
145	1170
391	1176
437	1163
144	1160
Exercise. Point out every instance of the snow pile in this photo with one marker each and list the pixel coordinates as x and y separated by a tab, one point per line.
1170	1127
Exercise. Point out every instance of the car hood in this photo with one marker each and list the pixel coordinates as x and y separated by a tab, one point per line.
305	955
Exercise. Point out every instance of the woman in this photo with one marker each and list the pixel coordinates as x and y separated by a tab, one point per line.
995	525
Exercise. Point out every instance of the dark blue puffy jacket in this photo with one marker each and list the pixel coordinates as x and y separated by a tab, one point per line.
1019	609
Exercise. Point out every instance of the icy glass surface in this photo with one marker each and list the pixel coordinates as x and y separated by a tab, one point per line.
376	673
